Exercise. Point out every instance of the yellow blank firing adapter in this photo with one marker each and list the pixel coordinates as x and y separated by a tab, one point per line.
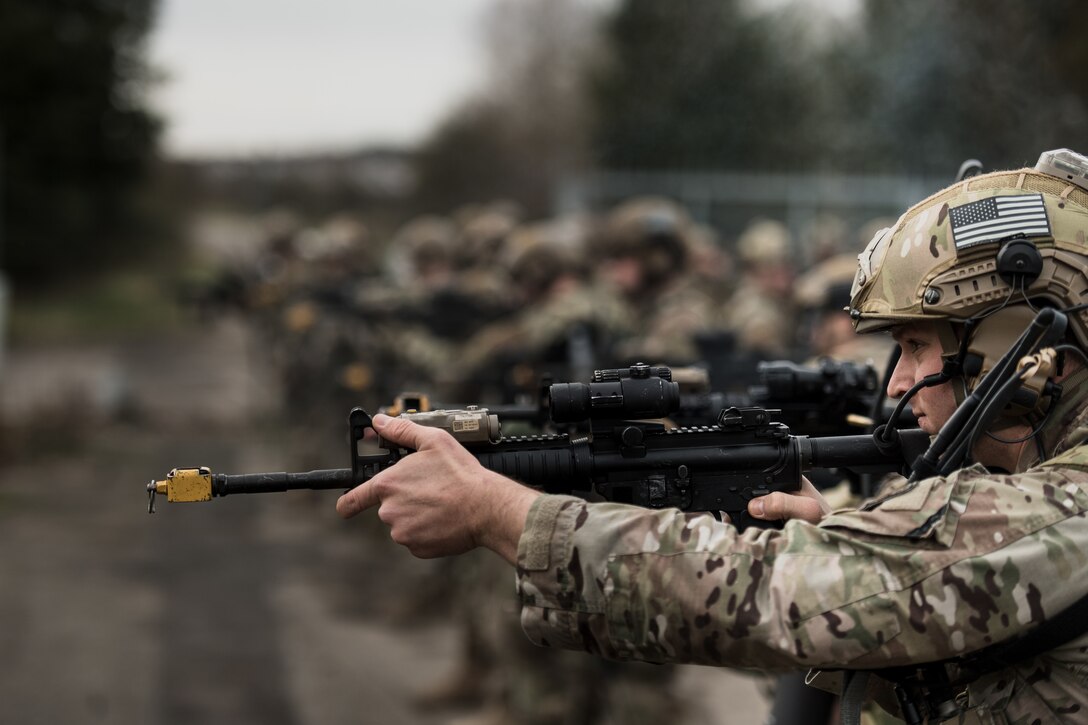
182	484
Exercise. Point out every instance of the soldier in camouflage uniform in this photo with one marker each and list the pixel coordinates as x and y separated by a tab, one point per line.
760	313
564	324
934	569
822	294
423	263
642	253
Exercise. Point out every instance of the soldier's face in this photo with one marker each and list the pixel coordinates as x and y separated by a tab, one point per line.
623	273
921	356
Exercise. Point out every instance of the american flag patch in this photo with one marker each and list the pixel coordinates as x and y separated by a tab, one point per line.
999	217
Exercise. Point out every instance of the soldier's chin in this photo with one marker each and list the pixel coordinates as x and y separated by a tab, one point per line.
927	425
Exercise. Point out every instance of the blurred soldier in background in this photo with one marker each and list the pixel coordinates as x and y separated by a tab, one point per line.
712	269
422	254
642	252
483	231
337	250
760	313
481	282
423	261
474	291
276	264
348	231
564	326
822	295
825	236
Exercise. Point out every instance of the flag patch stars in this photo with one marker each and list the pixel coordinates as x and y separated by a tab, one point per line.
999	217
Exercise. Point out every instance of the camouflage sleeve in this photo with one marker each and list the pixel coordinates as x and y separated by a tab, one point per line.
937	568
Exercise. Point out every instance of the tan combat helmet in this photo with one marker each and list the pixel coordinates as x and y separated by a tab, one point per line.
991	248
484	231
426	241
764	241
652	229
537	254
827	285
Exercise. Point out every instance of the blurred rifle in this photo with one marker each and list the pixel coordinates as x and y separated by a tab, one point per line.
447	312
831	397
828	398
627	456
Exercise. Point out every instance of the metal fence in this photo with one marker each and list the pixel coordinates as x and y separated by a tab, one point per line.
728	201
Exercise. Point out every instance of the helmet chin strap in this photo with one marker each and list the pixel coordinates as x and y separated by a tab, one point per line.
954	352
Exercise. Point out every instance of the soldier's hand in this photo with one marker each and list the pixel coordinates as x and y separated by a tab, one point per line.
807	504
439	500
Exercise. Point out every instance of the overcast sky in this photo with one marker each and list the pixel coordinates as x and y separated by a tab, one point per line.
267	76
284	76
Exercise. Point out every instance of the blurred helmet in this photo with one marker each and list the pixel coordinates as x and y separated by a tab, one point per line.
426	241
339	239
708	259
652	229
983	248
826	287
484	231
764	241
825	236
352	240
538	254
347	231
280	227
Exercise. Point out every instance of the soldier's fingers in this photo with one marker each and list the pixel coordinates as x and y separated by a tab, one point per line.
776	506
402	432
357	500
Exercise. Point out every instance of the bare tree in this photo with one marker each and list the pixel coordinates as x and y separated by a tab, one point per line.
529	125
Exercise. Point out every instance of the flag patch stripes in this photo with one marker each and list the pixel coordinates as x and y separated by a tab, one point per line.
999	217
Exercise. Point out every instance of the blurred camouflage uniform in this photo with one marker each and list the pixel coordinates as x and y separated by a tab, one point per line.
483	231
517	685
564	323
760	313
642	251
422	253
443	306
822	294
712	269
482	238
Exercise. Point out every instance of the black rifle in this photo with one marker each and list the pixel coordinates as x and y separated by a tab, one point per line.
623	458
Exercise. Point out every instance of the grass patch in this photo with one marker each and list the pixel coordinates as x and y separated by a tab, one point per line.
122	304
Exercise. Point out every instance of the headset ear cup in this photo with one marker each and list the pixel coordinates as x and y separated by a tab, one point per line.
1019	263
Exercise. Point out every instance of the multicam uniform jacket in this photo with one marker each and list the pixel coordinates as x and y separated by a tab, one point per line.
936	569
